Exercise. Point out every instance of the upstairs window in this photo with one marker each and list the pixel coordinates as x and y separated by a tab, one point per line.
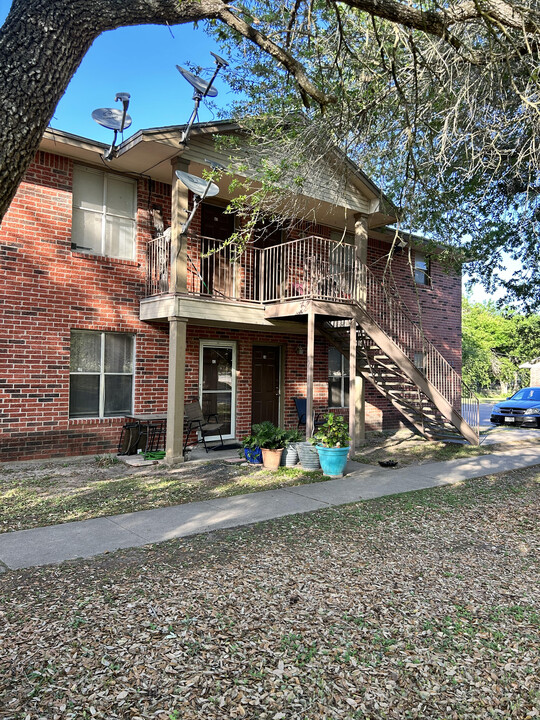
338	379
421	269
101	374
104	209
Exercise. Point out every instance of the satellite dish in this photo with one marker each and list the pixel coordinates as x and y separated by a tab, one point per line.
198	186
112	118
219	60
201	86
202	89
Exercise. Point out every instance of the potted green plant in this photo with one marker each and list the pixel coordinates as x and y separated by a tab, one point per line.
289	457
252	452
271	440
332	441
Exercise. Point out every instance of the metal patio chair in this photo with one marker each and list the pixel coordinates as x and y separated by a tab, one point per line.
196	421
318	418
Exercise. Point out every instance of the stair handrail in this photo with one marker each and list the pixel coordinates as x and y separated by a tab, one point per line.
394	319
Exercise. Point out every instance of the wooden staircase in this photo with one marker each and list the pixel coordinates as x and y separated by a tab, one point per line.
433	397
325	280
420	404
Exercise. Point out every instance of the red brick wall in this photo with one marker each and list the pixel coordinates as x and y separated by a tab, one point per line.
46	290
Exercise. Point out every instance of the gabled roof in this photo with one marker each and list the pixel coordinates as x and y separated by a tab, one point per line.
376	202
149	153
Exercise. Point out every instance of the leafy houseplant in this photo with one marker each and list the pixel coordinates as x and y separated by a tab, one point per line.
332	441
333	434
271	440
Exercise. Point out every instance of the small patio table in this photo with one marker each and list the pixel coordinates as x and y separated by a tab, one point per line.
155	423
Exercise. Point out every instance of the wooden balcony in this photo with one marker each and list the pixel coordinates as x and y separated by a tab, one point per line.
324	278
311	268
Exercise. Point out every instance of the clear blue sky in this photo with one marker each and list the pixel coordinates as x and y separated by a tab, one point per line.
140	60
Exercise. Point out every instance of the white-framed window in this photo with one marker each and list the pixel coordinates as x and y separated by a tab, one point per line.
338	379
421	269
101	374
217	382
104	213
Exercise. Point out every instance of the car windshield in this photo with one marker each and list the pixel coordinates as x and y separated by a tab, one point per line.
527	394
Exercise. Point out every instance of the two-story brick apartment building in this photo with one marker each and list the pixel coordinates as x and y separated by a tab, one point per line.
104	316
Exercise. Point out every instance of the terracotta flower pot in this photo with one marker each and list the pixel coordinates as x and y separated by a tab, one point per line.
271	458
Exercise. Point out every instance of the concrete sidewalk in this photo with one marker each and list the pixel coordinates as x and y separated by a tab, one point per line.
54	544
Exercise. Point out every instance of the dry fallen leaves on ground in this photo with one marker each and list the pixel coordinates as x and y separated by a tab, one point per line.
418	606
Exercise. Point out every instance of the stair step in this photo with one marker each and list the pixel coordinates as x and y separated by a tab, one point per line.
391	379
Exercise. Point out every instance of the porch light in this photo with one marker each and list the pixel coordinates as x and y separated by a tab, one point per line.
300	350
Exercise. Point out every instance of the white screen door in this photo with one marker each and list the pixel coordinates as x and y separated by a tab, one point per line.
217	383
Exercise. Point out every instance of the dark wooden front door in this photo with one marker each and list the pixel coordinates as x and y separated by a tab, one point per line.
265	390
217	271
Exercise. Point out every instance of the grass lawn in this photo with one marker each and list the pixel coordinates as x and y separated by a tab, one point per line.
51	492
424	605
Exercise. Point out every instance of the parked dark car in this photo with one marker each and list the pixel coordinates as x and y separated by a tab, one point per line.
523	408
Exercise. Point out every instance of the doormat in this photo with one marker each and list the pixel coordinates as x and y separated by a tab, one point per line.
228	446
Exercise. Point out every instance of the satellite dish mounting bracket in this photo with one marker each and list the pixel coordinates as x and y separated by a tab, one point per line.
201	89
113	119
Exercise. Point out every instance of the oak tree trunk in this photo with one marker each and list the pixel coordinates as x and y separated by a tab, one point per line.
42	43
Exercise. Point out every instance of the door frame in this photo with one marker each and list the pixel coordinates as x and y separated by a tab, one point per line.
281	380
211	260
231	344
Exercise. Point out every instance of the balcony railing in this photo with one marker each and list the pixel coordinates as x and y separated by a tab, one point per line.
309	268
312	267
213	270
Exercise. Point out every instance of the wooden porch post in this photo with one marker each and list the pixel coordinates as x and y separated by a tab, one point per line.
357	400
309	374
179	206
177	325
176	385
355	412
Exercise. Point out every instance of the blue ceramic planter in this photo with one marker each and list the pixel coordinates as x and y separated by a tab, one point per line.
333	460
253	456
